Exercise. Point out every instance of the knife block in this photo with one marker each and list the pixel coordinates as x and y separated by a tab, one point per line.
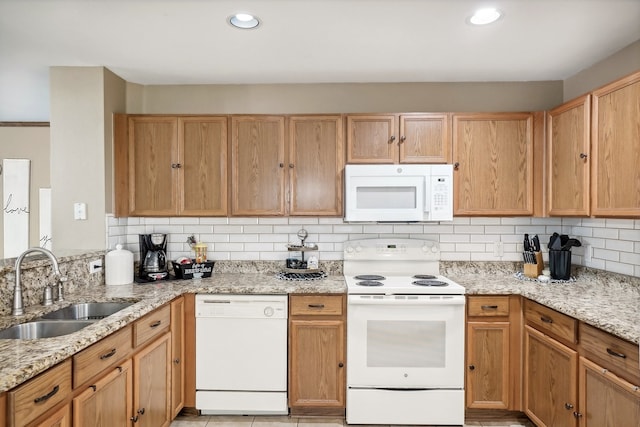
534	270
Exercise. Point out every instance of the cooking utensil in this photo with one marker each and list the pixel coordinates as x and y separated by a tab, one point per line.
527	244
554	242
571	243
536	243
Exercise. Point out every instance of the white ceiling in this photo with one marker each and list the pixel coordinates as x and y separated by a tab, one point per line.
301	41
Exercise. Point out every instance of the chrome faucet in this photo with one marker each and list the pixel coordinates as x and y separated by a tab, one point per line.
18	308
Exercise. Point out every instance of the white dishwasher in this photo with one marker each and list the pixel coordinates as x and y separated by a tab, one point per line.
241	354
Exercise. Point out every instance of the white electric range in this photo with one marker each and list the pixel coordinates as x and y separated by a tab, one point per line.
405	334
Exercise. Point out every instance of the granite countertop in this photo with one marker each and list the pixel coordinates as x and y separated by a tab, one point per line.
608	301
23	359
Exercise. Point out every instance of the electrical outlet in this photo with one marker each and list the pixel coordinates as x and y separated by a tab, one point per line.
95	266
498	249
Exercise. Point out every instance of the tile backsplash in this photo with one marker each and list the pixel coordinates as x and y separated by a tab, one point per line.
608	244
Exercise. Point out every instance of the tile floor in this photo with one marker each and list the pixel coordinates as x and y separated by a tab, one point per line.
284	421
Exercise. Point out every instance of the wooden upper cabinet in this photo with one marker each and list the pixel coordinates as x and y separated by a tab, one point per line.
615	183
493	164
425	138
153	154
258	153
568	151
316	163
393	138
203	154
170	166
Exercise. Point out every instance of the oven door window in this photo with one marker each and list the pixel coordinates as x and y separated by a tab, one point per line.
406	343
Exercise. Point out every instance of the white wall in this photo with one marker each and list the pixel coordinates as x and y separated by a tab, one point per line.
612	245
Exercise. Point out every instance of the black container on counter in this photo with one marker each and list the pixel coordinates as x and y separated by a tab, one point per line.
560	264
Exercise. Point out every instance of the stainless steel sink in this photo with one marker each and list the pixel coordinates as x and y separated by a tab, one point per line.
87	311
43	329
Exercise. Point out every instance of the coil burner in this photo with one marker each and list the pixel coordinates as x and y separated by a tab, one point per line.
424	276
367	277
429	283
369	283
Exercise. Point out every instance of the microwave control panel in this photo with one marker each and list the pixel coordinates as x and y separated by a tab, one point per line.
441	197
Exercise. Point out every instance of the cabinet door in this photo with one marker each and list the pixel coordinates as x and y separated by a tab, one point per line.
153	165
568	150
316	163
425	138
372	138
203	175
177	356
317	373
258	154
493	164
107	403
60	418
550	381
152	384
616	149
488	365
605	399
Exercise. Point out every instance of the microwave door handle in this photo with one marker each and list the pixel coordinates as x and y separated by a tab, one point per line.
427	197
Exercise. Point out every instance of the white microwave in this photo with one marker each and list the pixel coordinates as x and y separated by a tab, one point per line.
398	193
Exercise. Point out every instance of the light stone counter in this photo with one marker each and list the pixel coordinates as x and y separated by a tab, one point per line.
608	301
23	359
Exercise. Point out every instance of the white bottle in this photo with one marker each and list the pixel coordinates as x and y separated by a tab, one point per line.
118	267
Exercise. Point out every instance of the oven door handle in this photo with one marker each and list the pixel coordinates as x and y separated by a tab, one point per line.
407	299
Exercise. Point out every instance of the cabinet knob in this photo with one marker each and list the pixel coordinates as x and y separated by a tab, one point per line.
340	365
281	165
568	406
583	156
456	165
176	165
290	165
403	138
393	138
577	414
472	367
176	361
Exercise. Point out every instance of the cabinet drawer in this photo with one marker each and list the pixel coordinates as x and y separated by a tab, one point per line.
487	306
551	322
35	397
152	325
100	356
612	353
326	305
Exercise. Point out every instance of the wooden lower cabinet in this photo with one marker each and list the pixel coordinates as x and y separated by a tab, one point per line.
317	354
493	352
60	418
177	356
107	402
550	380
152	384
606	400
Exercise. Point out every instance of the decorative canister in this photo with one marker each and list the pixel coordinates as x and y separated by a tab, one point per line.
118	267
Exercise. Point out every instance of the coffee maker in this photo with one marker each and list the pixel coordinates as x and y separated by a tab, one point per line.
153	257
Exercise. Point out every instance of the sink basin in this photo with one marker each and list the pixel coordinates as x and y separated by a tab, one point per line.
87	311
43	329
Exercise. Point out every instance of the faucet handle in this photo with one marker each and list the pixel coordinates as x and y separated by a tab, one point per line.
61	281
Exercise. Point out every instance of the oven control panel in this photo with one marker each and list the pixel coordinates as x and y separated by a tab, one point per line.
392	249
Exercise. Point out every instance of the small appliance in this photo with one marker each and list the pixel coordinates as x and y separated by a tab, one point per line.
153	257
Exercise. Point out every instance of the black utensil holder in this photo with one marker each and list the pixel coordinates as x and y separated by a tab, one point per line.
560	264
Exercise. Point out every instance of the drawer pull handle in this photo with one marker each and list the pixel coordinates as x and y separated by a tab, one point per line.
546	319
316	305
94	387
616	354
47	396
155	324
489	307
108	355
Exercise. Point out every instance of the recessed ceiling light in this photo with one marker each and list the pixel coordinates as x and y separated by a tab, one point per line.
244	21
485	16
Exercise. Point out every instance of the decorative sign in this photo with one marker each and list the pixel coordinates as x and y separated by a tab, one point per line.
45	218
15	205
